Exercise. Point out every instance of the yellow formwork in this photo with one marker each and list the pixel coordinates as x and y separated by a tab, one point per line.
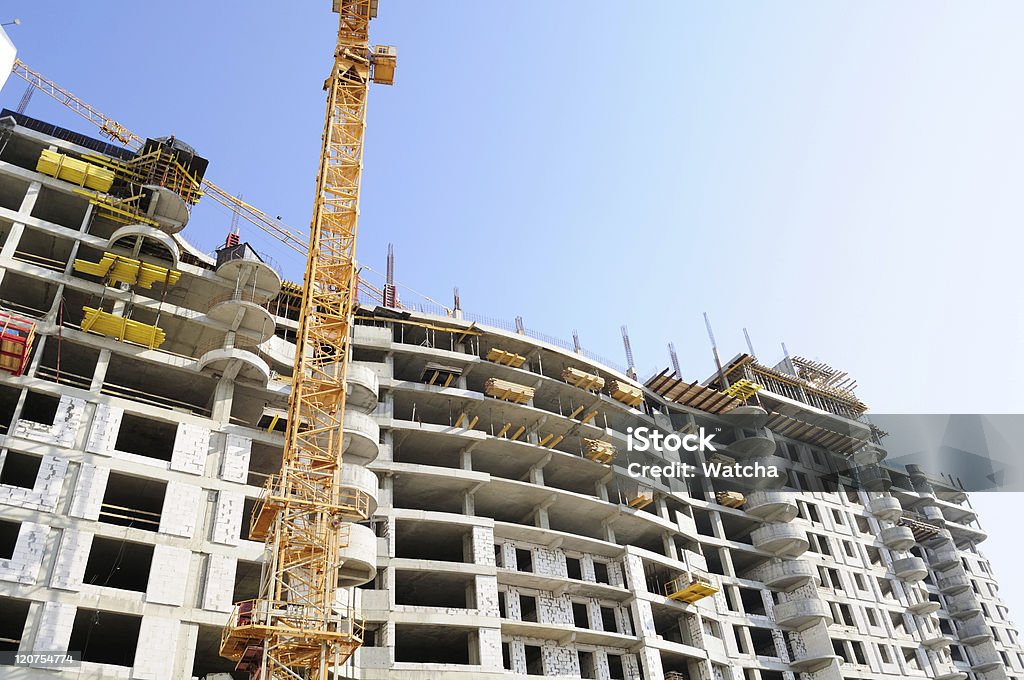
119	269
742	389
122	329
74	171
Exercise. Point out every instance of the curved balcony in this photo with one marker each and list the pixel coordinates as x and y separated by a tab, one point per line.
359	556
248	271
869	455
787	575
752	447
886	507
362	438
974	632
771	506
781	540
910	569
935	639
963	605
812	663
154	242
873	478
897	538
167	208
363	387
944	558
240	359
953	583
949	672
989	660
748	416
801	614
918	601
243	311
360	486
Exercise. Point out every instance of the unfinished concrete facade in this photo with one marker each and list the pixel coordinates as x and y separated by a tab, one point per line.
501	545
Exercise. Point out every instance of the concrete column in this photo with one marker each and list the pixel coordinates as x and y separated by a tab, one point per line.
222	399
18	228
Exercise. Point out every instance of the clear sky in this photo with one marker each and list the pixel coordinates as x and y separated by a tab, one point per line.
841	176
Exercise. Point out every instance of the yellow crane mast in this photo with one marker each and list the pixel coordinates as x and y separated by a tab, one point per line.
302	625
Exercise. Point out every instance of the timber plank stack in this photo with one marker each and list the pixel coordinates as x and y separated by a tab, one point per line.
500	356
598	451
582	379
508	391
630	395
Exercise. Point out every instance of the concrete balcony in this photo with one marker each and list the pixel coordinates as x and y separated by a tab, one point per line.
869	455
781	540
953	583
973	632
771	506
935	639
897	538
918	601
886	507
801	614
751	447
944	558
242	266
986	660
787	575
963	605
359	486
154	241
874	478
910	569
241	360
243	311
362	438
949	672
359	556
748	416
812	663
363	389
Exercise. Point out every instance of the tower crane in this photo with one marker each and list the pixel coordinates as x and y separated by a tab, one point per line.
302	624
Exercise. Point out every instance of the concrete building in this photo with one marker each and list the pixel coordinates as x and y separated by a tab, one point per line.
508	538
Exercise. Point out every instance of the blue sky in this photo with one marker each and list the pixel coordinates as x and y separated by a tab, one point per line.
841	176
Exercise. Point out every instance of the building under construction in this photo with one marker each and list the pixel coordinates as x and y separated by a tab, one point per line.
142	401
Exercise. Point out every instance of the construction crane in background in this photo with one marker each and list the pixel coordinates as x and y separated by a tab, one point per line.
299	626
119	133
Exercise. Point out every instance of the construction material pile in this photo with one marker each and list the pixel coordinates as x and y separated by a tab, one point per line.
500	356
508	391
582	379
629	395
598	451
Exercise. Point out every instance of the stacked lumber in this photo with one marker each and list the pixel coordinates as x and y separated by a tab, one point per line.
641	498
508	391
730	499
598	451
582	379
630	395
500	356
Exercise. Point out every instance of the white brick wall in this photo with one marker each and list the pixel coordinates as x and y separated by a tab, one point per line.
106	423
69	569
220	583
168	575
191	443
55	625
234	465
23	567
152	658
227	520
46	491
180	511
92	483
490	648
63	429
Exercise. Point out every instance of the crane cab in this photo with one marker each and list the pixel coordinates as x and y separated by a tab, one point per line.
385	58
